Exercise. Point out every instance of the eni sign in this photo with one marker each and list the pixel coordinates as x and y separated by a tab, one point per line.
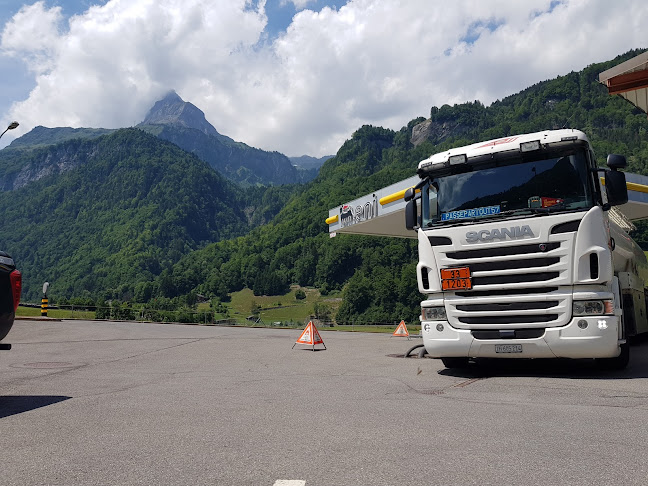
353	214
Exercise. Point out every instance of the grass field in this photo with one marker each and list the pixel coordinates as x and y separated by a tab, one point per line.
280	308
55	313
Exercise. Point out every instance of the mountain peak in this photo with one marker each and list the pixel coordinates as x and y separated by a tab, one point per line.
183	124
173	110
171	97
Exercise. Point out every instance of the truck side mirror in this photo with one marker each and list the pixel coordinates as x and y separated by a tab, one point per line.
411	216
615	186
615	162
409	194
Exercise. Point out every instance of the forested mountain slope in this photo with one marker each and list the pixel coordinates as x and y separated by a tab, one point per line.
378	274
130	206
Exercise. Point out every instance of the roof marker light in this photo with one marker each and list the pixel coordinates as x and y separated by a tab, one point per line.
457	159
530	146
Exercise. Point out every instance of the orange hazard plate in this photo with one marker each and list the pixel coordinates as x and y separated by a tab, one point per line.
456	283
453	273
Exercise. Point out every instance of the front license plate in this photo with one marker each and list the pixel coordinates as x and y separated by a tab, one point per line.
457	283
508	348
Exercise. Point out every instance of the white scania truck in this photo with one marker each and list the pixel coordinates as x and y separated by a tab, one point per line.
523	252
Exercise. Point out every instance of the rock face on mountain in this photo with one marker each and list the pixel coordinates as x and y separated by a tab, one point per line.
182	123
172	110
42	162
46	151
436	132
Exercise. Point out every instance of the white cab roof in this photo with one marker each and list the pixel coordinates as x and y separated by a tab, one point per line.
502	145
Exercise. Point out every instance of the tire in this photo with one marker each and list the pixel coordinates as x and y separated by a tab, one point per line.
455	362
618	363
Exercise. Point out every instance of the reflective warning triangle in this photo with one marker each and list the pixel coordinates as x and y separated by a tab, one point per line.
310	336
401	330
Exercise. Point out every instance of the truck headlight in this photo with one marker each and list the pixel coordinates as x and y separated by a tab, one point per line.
593	307
433	313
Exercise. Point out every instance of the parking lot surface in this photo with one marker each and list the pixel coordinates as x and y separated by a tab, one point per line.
85	402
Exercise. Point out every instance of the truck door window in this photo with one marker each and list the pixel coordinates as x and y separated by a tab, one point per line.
430	207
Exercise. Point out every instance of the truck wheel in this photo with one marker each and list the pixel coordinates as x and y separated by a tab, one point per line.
455	362
618	363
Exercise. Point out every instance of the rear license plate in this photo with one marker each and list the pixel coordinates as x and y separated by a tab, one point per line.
508	348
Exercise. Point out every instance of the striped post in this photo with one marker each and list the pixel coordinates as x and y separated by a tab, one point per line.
44	306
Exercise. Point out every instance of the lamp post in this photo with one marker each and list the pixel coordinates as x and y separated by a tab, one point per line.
12	125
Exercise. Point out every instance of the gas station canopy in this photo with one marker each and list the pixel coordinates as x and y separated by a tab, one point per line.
629	80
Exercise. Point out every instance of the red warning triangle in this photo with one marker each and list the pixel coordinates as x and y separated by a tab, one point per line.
401	330
310	336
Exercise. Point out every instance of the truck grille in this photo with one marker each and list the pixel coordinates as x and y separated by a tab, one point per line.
512	319
503	251
513	286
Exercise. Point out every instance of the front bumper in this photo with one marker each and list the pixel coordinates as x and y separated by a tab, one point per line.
600	339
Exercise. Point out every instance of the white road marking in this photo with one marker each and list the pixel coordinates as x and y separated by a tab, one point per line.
289	482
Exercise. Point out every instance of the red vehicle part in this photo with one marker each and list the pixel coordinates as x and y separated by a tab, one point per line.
16	287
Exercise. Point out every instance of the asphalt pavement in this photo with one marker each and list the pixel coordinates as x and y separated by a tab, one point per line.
105	403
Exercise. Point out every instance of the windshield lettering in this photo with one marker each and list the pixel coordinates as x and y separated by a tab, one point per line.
470	213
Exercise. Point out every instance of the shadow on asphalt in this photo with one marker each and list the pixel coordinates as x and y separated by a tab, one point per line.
538	368
12	405
555	368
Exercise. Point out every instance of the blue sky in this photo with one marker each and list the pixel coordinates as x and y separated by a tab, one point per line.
296	76
280	14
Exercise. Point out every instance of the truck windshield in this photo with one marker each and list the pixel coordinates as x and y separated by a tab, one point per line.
548	185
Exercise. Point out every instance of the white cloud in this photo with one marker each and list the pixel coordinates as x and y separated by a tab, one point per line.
369	62
33	34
